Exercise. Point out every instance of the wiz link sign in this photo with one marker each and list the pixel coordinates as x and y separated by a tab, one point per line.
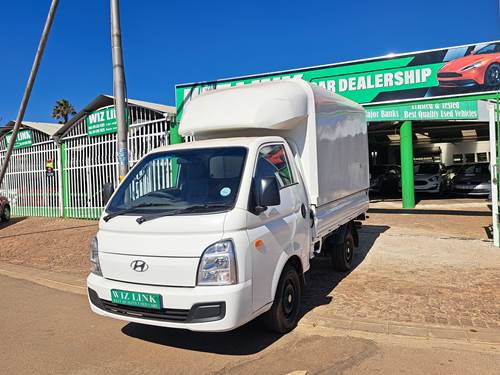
24	139
391	78
102	121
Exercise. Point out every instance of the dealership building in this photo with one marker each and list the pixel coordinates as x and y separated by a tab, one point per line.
430	105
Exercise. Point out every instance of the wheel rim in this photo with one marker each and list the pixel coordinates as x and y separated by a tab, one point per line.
349	251
493	76
289	298
6	213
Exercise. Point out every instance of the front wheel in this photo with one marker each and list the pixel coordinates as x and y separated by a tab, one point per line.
284	314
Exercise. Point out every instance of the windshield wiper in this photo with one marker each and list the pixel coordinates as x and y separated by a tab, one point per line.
198	207
127	210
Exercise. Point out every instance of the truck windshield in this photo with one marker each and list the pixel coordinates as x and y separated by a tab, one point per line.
192	180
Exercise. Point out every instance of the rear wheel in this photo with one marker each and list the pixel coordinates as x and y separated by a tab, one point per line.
284	314
492	75
342	253
5	216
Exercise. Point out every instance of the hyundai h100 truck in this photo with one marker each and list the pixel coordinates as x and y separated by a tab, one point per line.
210	234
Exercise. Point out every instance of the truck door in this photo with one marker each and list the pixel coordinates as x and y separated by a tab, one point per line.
280	229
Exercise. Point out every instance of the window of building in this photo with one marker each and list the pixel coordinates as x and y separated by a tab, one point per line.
458	158
273	161
470	158
481	157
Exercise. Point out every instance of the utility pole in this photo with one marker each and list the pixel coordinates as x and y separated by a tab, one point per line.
29	87
119	90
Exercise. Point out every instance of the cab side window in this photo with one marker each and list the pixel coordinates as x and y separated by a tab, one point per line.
272	161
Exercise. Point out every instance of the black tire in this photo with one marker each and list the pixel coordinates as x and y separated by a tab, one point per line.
284	314
442	188
5	217
343	253
492	75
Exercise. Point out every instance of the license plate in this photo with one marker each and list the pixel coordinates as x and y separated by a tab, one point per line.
137	299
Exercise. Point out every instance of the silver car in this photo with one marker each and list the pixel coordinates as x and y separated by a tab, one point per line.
473	179
430	178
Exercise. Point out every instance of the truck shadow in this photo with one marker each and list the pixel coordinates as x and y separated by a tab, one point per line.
253	337
248	339
321	279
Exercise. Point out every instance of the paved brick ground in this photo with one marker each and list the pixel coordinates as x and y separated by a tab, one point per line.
412	275
52	244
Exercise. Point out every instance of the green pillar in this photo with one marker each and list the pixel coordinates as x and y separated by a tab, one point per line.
64	173
406	148
497	123
175	137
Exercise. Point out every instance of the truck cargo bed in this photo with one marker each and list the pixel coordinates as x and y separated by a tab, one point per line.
330	216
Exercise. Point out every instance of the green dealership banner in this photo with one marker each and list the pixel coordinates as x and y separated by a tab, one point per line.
102	121
417	75
452	110
24	139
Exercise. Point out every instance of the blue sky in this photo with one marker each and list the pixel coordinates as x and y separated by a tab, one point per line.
169	42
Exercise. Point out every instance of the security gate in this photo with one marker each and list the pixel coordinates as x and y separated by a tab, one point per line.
494	127
32	180
90	161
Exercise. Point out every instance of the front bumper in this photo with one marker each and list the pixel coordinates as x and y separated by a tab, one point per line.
204	308
427	187
480	189
457	82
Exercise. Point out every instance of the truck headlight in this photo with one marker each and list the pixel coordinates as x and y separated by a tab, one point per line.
218	265
95	266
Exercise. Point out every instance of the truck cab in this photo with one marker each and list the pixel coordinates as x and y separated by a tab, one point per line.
208	235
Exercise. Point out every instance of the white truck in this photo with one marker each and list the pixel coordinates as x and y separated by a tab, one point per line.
208	235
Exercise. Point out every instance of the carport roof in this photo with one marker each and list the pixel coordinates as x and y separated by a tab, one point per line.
44	127
429	132
106	100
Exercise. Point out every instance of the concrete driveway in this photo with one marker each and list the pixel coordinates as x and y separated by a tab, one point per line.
48	331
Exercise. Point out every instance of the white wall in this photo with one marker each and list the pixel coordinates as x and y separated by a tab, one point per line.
467	147
447	150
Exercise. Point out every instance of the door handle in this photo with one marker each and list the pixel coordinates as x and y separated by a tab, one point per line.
303	210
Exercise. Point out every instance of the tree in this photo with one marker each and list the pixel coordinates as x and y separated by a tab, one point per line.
62	110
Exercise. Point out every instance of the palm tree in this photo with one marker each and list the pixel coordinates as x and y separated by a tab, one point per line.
62	110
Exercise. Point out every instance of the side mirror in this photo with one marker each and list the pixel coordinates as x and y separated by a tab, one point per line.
266	193
107	191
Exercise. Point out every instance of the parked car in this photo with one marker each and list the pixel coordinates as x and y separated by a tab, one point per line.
384	179
472	179
480	68
4	209
430	178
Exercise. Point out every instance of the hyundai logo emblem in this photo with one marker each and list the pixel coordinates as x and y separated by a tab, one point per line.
139	266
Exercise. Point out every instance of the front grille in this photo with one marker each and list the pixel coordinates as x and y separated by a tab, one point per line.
449	75
420	183
471	190
171	315
458	83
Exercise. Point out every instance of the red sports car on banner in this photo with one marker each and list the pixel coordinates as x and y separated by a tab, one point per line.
481	68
